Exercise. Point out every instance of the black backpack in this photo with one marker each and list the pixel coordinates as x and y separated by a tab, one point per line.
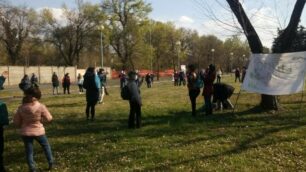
125	93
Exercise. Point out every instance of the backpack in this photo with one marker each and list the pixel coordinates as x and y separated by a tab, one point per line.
125	93
199	82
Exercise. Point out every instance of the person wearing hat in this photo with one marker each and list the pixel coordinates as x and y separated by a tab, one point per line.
134	101
209	78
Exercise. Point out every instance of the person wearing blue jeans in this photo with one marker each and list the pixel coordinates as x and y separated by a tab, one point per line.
30	117
43	141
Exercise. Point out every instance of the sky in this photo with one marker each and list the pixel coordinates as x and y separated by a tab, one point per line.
203	15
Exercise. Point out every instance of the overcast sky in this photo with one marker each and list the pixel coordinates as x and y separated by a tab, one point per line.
267	15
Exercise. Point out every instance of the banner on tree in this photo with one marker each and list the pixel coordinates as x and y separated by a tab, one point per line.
276	74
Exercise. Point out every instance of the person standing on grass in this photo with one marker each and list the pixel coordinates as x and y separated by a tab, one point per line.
134	101
80	83
66	83
3	121
55	83
244	70
102	76
182	78
176	78
219	75
148	80
34	79
29	118
122	77
237	75
209	78
2	80
193	89
25	83
92	85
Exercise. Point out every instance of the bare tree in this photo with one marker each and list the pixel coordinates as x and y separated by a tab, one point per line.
125	20
70	37
15	26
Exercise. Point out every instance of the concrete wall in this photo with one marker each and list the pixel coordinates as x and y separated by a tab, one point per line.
14	74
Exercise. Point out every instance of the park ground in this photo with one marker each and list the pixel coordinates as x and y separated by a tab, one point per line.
170	139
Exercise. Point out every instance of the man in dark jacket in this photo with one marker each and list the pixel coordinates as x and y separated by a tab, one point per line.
3	121
221	95
55	83
148	80
237	75
66	83
2	80
25	83
135	101
34	79
92	85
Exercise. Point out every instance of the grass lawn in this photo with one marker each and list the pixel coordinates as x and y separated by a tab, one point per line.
170	139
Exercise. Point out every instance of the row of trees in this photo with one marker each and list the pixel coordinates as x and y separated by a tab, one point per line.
130	39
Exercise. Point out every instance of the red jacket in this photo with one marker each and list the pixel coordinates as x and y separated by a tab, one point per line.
209	79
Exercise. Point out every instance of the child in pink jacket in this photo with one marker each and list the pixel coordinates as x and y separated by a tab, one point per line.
29	117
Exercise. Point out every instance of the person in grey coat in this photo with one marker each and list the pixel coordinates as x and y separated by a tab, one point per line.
135	101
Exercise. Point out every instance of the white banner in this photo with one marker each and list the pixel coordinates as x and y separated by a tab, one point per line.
276	74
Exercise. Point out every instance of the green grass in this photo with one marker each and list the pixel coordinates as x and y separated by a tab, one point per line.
170	139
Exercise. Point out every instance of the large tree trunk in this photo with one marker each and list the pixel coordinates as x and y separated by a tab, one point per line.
268	102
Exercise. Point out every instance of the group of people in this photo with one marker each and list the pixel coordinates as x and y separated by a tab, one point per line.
179	78
65	83
218	93
26	82
29	117
31	114
239	75
148	78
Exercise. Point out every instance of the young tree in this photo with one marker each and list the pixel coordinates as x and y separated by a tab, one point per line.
125	20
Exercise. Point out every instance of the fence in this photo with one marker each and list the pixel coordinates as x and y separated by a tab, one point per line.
14	74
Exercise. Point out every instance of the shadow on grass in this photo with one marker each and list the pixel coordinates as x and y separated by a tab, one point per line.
290	123
66	105
173	123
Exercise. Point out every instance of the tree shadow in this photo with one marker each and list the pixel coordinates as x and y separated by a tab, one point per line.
239	148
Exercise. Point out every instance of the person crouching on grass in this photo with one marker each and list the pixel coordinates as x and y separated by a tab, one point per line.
30	117
135	101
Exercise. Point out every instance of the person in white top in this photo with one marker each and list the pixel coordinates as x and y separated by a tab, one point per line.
219	74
